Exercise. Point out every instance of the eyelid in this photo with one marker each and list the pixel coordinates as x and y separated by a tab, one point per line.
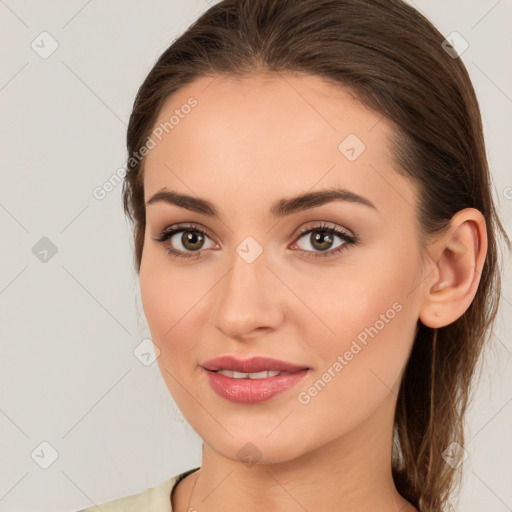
319	225
173	229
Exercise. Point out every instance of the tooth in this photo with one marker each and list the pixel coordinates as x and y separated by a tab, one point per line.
233	375
259	375
227	373
254	375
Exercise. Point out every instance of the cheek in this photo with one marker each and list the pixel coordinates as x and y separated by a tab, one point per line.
168	294
371	288
175	308
372	318
168	302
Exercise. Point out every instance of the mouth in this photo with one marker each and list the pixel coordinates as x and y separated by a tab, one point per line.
252	380
250	375
253	366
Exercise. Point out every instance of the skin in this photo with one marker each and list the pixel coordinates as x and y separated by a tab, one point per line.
249	143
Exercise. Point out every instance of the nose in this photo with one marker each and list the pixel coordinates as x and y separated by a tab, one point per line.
246	303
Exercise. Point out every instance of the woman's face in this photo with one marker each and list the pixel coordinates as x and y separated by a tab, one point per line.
263	277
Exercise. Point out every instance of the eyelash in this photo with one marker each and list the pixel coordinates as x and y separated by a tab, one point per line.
324	228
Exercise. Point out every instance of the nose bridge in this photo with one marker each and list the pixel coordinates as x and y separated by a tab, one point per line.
246	300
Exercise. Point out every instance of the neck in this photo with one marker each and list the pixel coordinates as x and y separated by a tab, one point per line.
350	473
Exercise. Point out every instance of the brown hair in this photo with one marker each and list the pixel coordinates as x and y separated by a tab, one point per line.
392	58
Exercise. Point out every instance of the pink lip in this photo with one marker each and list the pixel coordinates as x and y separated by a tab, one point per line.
251	390
254	364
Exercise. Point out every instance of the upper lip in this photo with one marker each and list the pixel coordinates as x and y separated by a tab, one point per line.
252	365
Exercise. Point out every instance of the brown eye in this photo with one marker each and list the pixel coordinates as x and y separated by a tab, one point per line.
322	239
192	240
184	241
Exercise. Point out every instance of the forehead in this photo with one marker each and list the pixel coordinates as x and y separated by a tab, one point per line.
258	136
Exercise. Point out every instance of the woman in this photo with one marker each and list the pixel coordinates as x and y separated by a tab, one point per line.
316	242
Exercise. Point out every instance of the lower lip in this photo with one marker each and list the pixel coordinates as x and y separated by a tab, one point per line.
249	391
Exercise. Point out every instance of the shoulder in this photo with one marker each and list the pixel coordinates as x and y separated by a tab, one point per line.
154	499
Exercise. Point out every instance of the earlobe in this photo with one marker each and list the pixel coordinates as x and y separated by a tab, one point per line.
460	256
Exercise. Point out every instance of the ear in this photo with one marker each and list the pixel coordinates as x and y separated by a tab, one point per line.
459	257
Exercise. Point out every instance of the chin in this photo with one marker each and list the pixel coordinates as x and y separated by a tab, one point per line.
255	446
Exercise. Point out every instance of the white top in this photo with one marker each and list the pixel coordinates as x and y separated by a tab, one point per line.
154	499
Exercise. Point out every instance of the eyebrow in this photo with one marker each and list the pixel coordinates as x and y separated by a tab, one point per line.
281	208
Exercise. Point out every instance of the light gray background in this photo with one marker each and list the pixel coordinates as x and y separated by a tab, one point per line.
69	326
